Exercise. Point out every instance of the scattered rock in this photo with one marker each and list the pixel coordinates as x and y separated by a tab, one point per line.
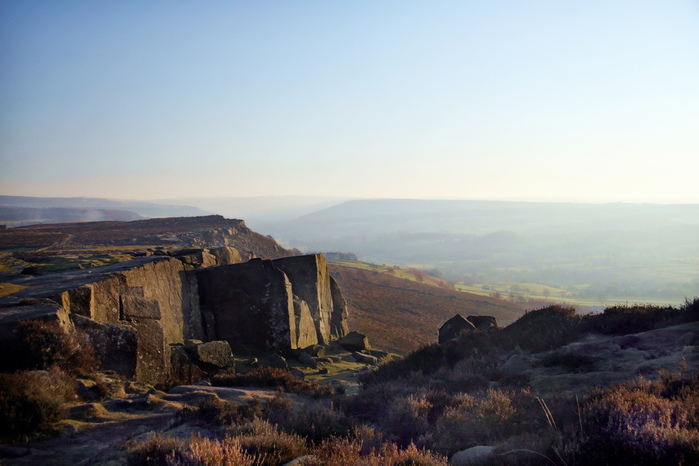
518	365
87	411
136	387
86	390
454	327
379	354
365	358
307	359
472	455
301	461
274	360
217	353
484	323
69	431
355	341
315	350
298	374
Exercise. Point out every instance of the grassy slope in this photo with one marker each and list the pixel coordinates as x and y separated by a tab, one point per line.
400	315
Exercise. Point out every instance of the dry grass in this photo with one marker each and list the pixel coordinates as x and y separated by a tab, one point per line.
32	401
40	345
280	379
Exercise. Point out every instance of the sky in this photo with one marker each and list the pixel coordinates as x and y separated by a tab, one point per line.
589	101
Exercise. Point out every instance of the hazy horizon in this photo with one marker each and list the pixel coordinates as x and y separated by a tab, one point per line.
526	101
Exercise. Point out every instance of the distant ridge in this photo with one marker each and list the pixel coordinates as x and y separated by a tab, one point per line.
141	208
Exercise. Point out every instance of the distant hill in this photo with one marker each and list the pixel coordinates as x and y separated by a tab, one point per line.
603	252
141	208
27	215
400	315
259	210
209	231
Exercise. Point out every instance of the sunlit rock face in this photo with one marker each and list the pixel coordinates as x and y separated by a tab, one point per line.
133	312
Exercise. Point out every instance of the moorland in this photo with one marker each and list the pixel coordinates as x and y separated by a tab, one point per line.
549	385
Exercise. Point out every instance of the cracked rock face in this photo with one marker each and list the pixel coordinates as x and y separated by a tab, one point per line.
134	311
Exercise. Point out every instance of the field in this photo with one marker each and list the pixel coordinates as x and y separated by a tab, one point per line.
401	314
524	292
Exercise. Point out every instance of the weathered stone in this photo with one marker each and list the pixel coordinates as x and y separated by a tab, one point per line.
473	455
379	354
78	301
307	359
306	334
116	345
44	309
365	358
85	389
338	321
518	365
454	327
226	255
310	280
217	353
182	369
153	362
315	350
297	373
484	323
195	257
135	306
252	305
355	341
274	360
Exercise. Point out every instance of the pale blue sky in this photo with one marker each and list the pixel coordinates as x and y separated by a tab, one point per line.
531	100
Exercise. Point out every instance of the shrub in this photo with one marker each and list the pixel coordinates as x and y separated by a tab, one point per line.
262	440
316	422
347	452
471	423
690	309
643	422
407	418
160	450
541	330
42	344
622	320
275	378
32	401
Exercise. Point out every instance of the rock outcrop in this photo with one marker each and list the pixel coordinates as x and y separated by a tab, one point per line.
454	327
457	325
134	312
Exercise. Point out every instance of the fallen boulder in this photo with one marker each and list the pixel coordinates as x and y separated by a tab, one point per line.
355	341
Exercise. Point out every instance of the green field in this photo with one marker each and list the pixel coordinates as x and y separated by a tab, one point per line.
522	292
538	292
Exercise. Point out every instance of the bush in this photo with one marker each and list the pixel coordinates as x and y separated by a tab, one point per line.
263	440
622	320
219	412
348	452
42	344
407	418
160	450
316	422
272	377
643	422
32	401
541	330
471	423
